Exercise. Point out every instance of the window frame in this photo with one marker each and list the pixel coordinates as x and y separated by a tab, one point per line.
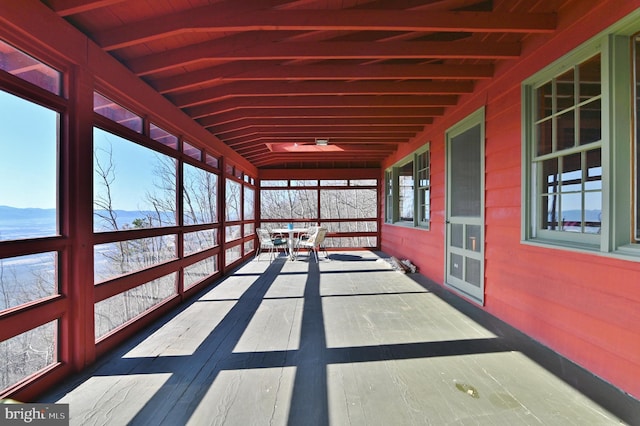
392	185
615	240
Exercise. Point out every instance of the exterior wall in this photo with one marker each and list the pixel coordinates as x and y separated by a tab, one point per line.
584	306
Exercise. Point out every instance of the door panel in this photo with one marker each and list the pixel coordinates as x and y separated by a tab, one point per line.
465	206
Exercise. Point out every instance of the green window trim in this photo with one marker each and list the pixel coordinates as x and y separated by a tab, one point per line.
408	190
615	237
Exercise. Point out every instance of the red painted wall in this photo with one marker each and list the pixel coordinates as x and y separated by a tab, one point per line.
584	306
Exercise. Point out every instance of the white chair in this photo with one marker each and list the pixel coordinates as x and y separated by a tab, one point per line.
310	231
313	242
266	242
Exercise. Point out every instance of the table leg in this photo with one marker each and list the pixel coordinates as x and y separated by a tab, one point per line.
291	256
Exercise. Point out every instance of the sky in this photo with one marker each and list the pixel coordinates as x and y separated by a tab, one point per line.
27	147
134	167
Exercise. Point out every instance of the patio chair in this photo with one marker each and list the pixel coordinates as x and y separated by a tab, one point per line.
310	231
267	242
313	243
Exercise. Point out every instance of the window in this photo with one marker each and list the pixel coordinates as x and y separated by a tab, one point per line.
127	196
165	138
388	191
233	200
249	203
423	184
199	196
117	113
31	266
191	150
115	311
29	210
347	208
636	145
566	158
407	190
577	145
29	69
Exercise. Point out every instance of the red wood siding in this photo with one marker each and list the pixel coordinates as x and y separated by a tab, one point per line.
584	306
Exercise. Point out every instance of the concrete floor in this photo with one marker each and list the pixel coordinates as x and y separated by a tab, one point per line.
346	341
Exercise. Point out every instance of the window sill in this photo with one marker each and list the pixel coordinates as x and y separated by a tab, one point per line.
407	225
630	252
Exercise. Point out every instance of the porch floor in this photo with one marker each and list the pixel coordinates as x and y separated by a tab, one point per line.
346	341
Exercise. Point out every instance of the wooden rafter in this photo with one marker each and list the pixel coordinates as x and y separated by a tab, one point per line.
212	19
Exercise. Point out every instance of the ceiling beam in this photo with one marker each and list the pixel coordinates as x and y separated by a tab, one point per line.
73	7
283	88
261	160
318	102
224	20
219	51
321	130
243	72
335	112
389	137
314	122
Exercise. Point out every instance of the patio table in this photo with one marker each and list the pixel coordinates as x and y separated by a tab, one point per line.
292	233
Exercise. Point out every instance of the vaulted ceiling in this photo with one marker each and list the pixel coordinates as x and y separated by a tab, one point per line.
270	77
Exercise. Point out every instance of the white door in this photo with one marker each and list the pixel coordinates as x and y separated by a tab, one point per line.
465	207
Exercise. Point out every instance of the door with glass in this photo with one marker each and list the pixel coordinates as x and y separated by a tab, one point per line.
465	207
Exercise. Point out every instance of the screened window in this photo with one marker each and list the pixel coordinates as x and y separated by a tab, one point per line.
165	138
200	196
249	203
233	200
134	186
125	257
28	169
347	208
27	353
117	113
31	154
191	151
200	240
348	203
193	274
115	311
29	69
